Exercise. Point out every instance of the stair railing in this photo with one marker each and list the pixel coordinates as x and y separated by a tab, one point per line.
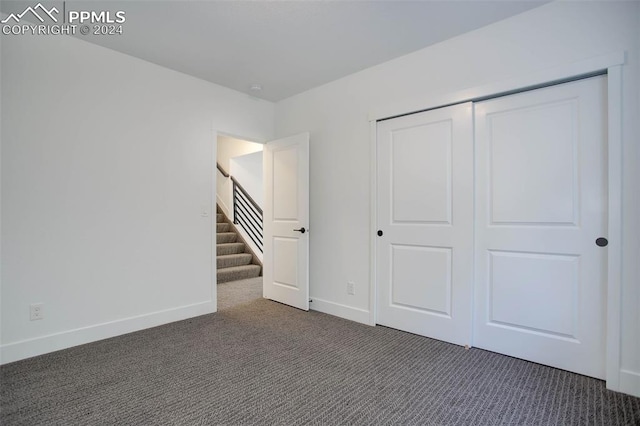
246	212
221	170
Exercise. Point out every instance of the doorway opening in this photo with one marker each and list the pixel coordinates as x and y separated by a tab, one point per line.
239	222
284	237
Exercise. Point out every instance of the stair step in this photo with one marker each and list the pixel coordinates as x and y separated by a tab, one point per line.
226	237
232	260
220	218
223	227
229	248
238	273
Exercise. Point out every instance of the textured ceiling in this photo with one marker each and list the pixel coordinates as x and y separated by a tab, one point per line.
286	47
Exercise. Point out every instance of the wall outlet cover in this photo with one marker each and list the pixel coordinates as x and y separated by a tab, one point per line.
36	311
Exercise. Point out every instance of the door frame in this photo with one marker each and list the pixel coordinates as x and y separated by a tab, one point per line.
611	65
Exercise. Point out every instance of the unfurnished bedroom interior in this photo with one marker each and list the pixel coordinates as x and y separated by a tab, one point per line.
312	212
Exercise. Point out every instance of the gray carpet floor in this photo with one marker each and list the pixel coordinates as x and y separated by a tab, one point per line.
238	293
260	362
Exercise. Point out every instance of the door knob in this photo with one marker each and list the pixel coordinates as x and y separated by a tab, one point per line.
301	230
602	242
380	233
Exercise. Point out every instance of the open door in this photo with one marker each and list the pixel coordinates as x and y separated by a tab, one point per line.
286	221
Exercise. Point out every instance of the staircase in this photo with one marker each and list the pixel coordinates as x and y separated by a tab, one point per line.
233	257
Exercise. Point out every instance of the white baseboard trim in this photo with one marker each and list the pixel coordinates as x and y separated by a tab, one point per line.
338	310
66	339
223	206
630	382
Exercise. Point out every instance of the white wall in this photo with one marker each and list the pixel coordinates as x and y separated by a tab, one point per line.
336	114
107	162
247	169
228	148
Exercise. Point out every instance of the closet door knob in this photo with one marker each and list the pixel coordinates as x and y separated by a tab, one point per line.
602	242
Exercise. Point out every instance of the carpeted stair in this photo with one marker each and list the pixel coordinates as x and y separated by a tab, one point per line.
234	258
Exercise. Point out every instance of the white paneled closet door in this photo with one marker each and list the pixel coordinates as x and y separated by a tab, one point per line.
541	204
425	218
492	225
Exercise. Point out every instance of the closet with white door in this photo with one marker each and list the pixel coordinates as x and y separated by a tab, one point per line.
488	215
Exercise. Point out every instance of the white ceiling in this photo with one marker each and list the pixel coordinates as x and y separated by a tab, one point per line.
287	47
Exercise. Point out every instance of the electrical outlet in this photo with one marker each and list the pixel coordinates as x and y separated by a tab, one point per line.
36	311
351	287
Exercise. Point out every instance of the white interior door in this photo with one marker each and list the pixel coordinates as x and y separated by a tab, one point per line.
286	221
425	215
541	205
